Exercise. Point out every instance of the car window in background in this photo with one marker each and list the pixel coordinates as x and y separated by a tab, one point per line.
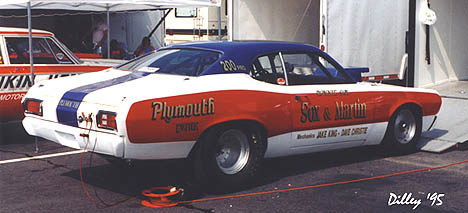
44	51
174	61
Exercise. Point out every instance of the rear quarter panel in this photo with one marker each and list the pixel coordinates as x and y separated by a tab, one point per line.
147	121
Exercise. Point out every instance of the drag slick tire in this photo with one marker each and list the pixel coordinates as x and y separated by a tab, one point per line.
404	130
230	155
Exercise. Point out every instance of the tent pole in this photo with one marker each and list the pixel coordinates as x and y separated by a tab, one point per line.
30	42
230	22
31	62
159	23
108	32
219	23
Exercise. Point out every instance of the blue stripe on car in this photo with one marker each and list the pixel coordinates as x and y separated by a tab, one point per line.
70	102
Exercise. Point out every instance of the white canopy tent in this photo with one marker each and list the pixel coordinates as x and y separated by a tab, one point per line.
100	5
104	6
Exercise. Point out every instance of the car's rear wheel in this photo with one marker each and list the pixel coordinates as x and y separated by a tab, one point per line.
230	155
232	151
404	130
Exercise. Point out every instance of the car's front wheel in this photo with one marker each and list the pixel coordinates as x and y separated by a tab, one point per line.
231	155
404	130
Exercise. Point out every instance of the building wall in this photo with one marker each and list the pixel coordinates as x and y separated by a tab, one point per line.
448	44
276	20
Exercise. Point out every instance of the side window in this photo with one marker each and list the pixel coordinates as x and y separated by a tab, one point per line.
311	68
338	76
305	69
269	69
16	51
265	64
44	51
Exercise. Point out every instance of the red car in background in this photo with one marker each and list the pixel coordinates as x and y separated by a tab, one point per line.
51	60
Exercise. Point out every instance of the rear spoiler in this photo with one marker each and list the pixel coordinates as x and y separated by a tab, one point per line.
356	72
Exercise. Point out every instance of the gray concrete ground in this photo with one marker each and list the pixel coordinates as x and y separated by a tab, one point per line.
451	126
453	89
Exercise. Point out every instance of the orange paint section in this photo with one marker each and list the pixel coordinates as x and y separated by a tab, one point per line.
280	113
49	69
26	33
87	55
10	106
270	109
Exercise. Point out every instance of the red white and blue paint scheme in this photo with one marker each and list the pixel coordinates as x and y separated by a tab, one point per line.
226	106
51	59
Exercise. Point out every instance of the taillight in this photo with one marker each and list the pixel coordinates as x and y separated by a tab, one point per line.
32	106
106	120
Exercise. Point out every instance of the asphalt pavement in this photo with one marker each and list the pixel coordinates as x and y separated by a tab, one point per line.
365	179
53	184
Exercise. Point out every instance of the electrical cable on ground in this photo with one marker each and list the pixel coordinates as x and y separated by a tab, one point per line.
323	185
159	197
100	204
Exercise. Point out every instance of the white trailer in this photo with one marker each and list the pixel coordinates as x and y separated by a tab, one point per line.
363	33
195	24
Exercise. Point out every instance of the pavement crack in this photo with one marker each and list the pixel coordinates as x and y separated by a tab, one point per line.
17	153
54	165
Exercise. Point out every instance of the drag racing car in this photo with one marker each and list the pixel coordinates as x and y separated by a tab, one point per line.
225	106
51	59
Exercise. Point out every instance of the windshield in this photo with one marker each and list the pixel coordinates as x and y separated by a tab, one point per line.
187	62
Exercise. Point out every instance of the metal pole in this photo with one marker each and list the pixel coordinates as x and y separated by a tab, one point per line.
159	23
31	63
108	32
411	44
230	31
219	23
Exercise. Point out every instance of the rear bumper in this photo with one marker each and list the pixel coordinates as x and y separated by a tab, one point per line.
100	142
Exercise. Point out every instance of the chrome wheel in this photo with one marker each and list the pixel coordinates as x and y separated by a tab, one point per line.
404	126
232	151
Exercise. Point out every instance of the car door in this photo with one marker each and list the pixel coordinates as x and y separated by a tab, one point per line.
329	111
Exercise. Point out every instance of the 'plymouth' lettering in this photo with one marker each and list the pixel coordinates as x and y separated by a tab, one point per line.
167	112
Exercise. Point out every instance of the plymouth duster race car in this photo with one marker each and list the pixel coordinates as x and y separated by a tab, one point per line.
227	105
51	59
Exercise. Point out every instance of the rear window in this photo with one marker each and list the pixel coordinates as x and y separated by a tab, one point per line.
187	62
